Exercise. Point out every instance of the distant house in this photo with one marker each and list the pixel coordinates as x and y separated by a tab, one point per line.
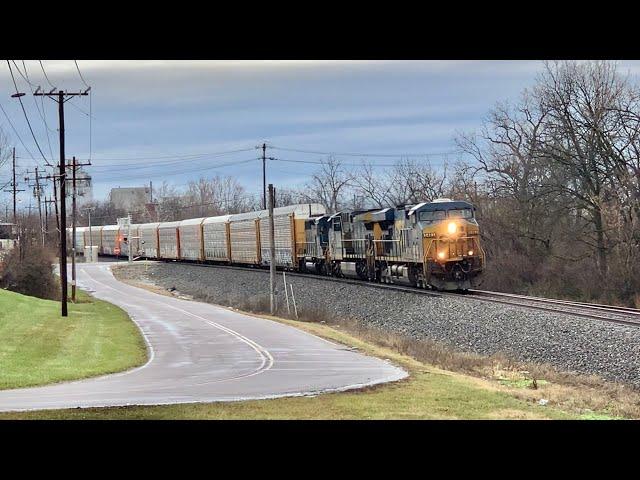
129	198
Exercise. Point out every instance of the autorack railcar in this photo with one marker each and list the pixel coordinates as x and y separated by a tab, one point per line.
430	244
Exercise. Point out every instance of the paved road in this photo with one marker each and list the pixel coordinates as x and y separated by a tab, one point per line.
203	353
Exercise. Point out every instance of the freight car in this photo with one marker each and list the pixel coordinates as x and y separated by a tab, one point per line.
430	244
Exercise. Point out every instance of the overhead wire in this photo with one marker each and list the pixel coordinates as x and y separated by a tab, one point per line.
177	172
80	73
26	78
185	157
320	162
45	75
26	116
138	166
41	113
353	154
90	114
17	134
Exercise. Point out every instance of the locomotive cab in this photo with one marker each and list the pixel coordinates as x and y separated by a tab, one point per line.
453	256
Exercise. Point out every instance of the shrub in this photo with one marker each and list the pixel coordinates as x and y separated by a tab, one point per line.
29	271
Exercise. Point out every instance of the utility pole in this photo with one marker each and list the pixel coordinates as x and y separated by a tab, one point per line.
73	234
264	176
74	168
38	194
88	210
55	206
46	215
63	210
14	185
272	250
14	188
39	206
129	239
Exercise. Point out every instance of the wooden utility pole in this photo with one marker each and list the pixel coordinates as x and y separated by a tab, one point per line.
88	210
63	209
38	194
73	235
74	168
129	239
39	206
264	176
272	250
46	215
14	185
14	188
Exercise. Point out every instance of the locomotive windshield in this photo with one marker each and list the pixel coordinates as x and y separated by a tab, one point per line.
461	213
433	215
436	215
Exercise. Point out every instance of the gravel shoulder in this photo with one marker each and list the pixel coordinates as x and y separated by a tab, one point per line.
566	342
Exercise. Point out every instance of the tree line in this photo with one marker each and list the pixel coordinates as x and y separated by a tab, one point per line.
554	175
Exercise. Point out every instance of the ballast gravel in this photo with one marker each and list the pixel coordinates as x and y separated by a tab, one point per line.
569	343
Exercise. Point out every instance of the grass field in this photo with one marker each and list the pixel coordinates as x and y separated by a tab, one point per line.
38	346
429	393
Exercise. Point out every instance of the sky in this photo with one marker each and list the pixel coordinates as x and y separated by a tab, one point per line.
177	121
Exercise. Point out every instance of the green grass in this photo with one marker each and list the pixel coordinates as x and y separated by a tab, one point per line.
429	393
38	346
425	396
521	383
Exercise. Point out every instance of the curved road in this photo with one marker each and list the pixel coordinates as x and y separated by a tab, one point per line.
204	353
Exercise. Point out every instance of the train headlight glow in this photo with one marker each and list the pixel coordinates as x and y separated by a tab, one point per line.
470	253
452	227
441	255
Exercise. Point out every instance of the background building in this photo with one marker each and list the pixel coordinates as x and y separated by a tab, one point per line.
129	198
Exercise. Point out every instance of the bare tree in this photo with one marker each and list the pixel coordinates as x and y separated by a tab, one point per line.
373	186
582	101
169	203
329	184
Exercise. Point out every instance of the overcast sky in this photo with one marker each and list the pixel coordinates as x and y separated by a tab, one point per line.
158	113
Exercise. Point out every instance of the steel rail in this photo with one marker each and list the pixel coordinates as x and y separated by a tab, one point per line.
578	309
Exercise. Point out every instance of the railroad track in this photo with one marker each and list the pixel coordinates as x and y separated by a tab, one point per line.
608	313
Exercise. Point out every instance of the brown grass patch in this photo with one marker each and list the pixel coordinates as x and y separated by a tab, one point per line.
527	381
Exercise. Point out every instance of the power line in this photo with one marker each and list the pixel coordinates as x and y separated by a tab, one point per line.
319	162
352	154
79	73
185	157
79	109
45	75
41	113
26	78
17	134
90	114
18	95
176	172
138	166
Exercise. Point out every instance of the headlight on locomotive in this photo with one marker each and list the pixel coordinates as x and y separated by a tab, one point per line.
452	228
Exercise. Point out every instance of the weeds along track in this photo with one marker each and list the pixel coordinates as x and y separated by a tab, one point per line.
606	313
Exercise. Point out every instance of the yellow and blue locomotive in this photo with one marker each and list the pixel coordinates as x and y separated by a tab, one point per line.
431	244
